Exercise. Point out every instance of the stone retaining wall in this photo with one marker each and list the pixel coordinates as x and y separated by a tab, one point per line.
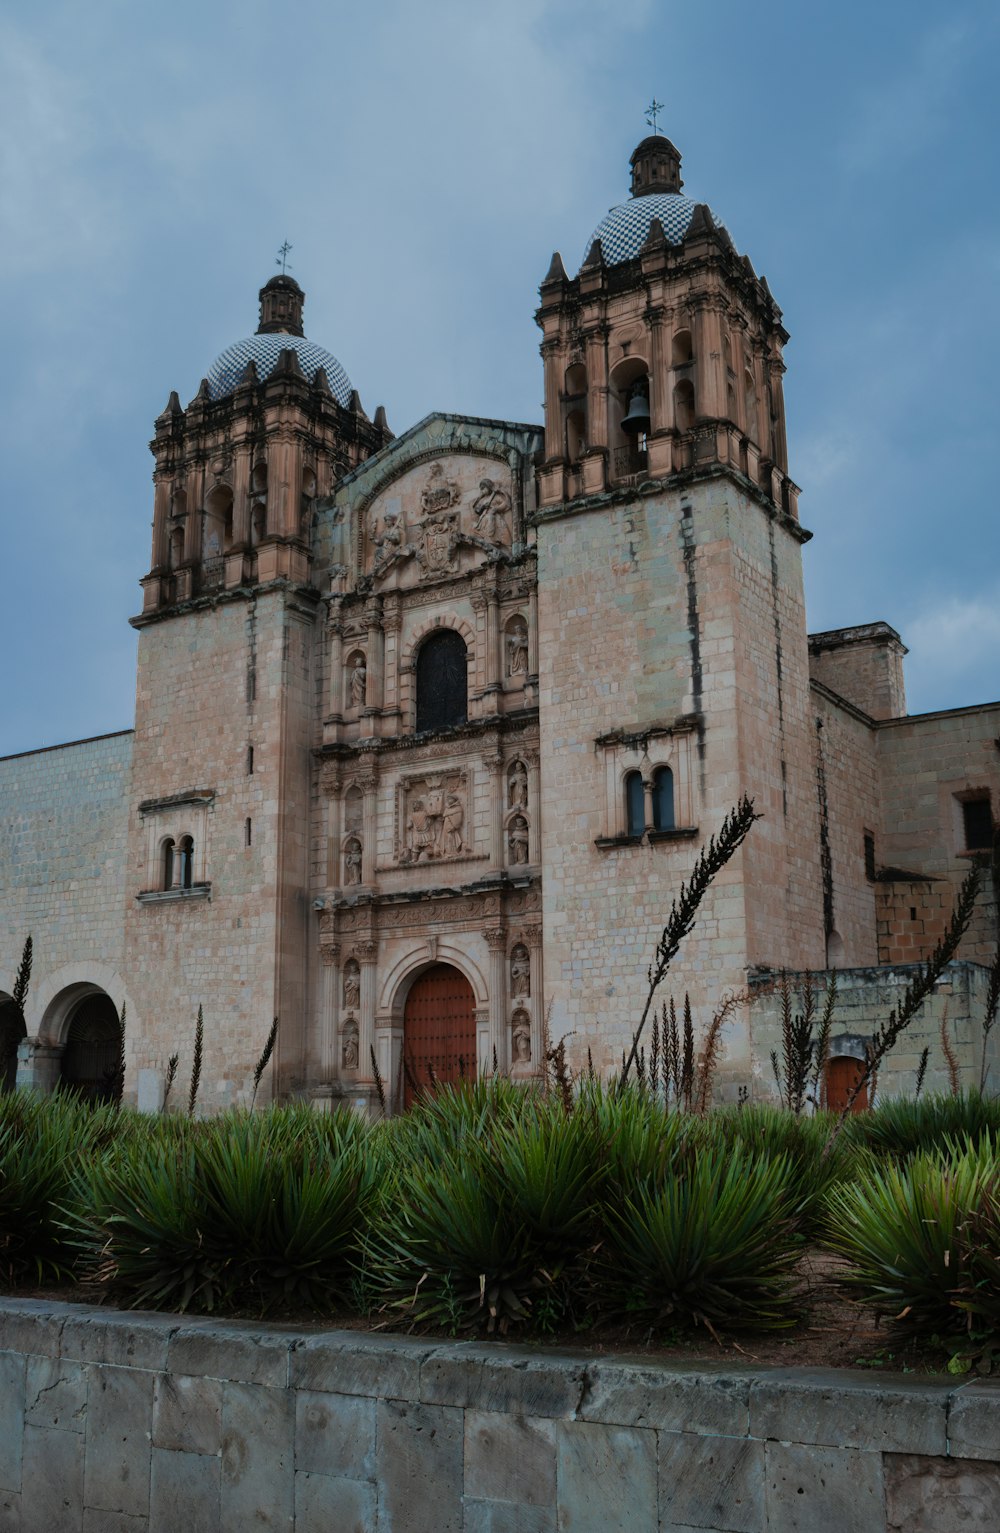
112	1422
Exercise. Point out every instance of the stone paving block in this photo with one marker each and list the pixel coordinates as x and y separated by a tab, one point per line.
382	1367
625	1394
184	1492
510	1458
843	1409
125	1340
12	1376
331	1504
711	1482
258	1427
187	1413
606	1478
113	1522
504	1517
10	1511
477	1377
809	1489
974	1421
53	1468
335	1435
119	1427
243	1356
55	1394
419	1468
925	1494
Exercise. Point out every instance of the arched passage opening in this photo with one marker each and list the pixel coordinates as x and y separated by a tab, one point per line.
90	1060
439	1030
12	1030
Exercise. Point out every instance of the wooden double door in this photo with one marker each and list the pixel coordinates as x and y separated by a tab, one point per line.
439	1030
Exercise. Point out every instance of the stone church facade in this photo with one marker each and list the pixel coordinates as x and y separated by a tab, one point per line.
429	729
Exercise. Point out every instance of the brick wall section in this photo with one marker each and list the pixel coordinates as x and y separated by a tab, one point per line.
111	1422
62	867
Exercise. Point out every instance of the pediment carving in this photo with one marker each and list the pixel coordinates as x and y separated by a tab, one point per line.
439	520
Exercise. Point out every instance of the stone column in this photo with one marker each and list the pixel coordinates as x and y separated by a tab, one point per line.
712	365
369	825
367	952
533	631
552	353
330	1003
335	659
392	622
531	759
494	669
161	512
533	940
496	941
659	390
375	656
597	387
498	808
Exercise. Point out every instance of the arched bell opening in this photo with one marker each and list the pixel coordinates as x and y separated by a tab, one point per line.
90	1065
628	416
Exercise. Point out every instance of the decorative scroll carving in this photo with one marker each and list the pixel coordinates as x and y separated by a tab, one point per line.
517	786
517	647
433	817
349	1045
517	839
352	985
352	860
520	971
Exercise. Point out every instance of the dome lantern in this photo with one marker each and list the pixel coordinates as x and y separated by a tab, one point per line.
281	305
656	167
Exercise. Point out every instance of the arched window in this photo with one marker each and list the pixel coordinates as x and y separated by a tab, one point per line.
176	548
185	853
663	799
681	350
442	681
684	405
635	804
168	863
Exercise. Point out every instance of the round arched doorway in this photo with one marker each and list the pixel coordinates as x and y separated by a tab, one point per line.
12	1030
91	1056
439	1030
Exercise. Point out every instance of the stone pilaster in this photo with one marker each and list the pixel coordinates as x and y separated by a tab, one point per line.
369	824
532	762
498	805
367	953
329	1011
496	941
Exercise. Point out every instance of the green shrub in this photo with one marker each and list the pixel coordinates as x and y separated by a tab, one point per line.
41	1140
761	1128
904	1126
714	1244
910	1234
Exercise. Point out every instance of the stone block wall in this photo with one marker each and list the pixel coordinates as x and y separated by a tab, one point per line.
114	1422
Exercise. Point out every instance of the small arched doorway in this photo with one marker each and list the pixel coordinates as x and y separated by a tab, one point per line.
12	1030
843	1071
91	1056
439	1030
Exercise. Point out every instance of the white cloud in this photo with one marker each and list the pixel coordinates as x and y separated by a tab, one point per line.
954	644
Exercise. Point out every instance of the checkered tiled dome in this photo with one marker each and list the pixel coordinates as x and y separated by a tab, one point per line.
623	230
264	351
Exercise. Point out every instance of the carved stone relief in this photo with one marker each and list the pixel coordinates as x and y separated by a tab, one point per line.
517	786
349	1045
517	647
357	678
352	985
520	971
432	816
517	840
491	510
432	521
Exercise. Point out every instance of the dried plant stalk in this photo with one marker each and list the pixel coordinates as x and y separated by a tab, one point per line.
264	1060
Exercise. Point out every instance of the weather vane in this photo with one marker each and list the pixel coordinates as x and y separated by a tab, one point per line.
652	113
282	260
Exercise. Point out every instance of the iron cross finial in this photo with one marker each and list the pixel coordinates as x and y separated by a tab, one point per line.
652	113
282	260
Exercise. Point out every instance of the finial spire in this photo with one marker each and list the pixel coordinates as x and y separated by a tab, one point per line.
283	252
652	113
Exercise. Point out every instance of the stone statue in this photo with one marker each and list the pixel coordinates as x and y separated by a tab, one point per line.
435	818
359	681
352	861
517	649
518	786
454	819
349	1053
490	509
352	986
439	494
517	839
520	1039
421	832
520	972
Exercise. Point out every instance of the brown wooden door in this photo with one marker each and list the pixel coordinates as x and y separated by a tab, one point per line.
841	1077
439	1029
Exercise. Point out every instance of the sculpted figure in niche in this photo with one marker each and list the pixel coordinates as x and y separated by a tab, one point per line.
517	648
352	861
517	839
518	786
352	986
421	831
520	1040
491	508
520	972
359	681
349	1053
453	820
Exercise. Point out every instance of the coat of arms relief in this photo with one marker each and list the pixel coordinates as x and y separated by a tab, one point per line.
443	521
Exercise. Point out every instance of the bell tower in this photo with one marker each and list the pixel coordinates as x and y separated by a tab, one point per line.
217	910
671	612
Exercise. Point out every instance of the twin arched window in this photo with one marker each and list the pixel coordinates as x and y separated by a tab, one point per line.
442	681
663	802
178	863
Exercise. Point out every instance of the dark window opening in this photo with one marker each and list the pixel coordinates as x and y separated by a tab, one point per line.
249	832
249	760
977	822
913	912
186	854
442	681
869	855
635	804
663	799
168	865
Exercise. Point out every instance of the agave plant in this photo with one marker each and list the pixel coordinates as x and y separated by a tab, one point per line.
764	1129
902	1126
40	1142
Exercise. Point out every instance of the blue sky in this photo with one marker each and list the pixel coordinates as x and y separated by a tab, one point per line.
425	161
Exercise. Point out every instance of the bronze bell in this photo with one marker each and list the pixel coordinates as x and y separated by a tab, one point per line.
636	422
